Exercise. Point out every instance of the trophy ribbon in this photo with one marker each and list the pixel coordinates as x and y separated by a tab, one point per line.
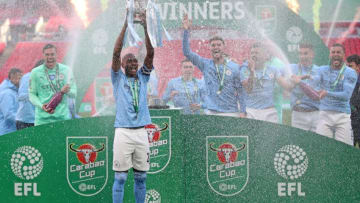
154	24
167	34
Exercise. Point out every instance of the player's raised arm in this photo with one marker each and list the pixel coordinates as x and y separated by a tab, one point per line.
116	61
249	83
149	58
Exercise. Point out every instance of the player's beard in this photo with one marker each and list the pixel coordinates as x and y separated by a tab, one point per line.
336	62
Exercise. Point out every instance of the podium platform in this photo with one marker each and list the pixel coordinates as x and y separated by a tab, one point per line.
193	159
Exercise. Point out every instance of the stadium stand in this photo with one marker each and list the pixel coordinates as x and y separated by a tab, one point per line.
26	54
2	47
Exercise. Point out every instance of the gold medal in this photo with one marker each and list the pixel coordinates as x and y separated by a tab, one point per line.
298	102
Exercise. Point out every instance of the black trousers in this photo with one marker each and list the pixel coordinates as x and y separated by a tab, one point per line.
21	125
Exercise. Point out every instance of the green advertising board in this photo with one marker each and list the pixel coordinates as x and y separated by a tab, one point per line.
193	159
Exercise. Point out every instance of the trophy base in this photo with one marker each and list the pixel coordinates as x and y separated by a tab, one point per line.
155	103
138	16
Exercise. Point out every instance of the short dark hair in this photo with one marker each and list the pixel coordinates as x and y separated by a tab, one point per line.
257	45
185	60
354	58
128	55
306	45
49	46
339	45
38	63
216	38
13	71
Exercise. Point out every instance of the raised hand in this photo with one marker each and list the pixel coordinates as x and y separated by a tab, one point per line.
173	93
322	93
195	107
65	89
186	22
296	79
251	64
142	17
304	77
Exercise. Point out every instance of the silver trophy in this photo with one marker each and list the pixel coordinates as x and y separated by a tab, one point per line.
137	8
148	9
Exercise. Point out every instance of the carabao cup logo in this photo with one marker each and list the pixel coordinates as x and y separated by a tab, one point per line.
227	152
26	162
154	132
86	153
227	164
291	162
152	196
159	136
87	164
266	18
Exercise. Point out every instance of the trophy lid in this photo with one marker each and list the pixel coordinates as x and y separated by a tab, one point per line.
138	4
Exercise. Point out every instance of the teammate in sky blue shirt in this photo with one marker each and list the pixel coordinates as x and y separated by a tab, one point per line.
129	117
263	89
25	115
26	111
8	101
298	97
259	80
222	77
153	85
305	110
131	144
337	82
337	95
185	92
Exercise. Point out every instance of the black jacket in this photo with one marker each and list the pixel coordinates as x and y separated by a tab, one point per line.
355	104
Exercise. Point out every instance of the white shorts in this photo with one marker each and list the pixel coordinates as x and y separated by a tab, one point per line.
335	125
305	120
131	149
269	114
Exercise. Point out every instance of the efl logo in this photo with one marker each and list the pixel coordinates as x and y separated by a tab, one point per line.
227	162
294	35
87	168
290	162
159	135
152	196
26	163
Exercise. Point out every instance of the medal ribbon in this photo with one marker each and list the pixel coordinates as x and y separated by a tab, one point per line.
134	87
57	89
221	80
187	91
259	80
332	86
300	70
